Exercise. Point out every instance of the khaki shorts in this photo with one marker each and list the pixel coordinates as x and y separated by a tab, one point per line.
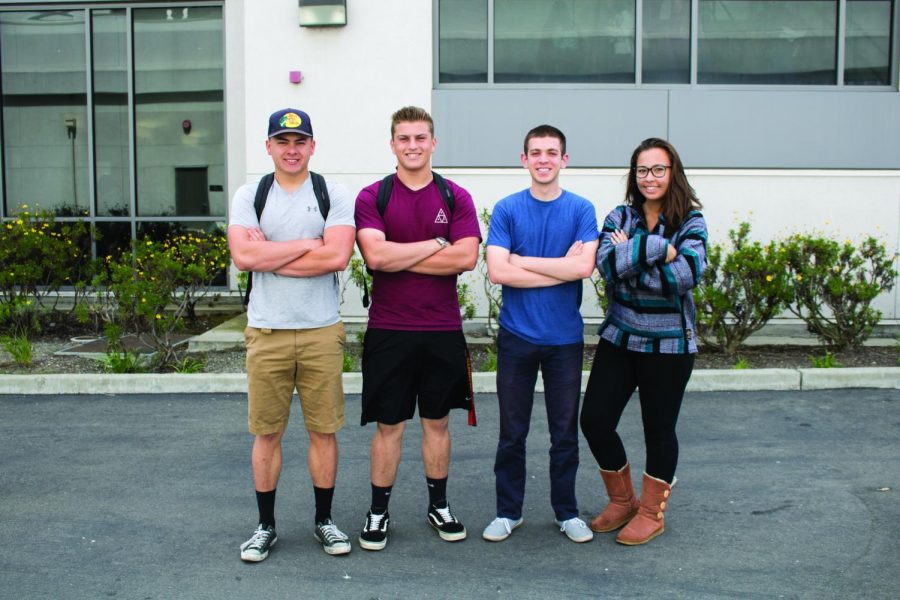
282	360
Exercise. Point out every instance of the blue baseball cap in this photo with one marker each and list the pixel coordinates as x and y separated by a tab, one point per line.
290	120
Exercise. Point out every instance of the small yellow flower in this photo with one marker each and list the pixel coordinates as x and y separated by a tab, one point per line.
799	277
769	278
158	316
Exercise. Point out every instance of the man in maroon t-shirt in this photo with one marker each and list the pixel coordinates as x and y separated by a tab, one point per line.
414	353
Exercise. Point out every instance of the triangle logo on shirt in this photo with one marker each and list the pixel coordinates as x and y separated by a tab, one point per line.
441	217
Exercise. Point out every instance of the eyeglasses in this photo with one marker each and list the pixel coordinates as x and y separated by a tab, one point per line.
657	170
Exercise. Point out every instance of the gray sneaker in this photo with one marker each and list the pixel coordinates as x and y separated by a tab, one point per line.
576	530
332	539
257	547
500	528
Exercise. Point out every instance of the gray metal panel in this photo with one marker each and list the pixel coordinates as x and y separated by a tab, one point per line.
737	128
786	129
485	128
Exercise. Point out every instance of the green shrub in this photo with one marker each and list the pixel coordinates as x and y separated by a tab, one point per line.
743	287
492	292
349	362
19	347
835	285
490	363
599	286
38	256
189	364
828	361
357	274
151	290
466	300
123	362
741	364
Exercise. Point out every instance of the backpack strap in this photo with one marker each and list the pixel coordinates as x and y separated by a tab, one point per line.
387	187
384	193
259	203
320	189
446	192
262	193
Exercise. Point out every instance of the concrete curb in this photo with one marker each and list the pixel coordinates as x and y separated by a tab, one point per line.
707	380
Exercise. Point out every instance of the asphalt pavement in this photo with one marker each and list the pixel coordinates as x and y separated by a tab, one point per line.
780	494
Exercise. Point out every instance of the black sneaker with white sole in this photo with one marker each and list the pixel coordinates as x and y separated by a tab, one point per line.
447	526
374	533
257	547
333	540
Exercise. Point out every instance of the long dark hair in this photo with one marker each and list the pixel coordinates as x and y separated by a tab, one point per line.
680	198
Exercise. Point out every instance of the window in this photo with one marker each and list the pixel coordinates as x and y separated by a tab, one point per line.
115	115
45	127
735	42
868	42
463	41
563	41
666	41
760	42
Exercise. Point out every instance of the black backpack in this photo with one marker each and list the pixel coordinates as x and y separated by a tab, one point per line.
381	202
320	189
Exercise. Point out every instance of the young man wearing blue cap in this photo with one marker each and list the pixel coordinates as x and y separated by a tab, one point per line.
542	242
294	334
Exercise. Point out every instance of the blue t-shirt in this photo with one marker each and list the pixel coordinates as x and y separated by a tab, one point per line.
529	227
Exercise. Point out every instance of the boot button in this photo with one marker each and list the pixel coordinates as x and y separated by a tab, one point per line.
659	515
662	506
666	494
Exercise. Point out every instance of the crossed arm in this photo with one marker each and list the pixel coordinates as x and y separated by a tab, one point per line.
425	257
251	251
532	271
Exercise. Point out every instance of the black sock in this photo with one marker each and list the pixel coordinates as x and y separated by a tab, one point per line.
437	491
265	502
323	503
380	498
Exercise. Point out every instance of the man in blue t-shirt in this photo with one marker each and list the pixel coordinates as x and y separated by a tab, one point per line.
542	242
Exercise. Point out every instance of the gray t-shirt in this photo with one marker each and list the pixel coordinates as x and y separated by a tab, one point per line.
279	301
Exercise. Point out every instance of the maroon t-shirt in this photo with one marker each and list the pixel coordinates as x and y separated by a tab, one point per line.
412	301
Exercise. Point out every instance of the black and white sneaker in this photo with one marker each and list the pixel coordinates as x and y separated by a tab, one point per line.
333	540
257	547
447	526
374	533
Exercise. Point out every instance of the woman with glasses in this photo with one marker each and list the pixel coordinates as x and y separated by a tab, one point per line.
652	253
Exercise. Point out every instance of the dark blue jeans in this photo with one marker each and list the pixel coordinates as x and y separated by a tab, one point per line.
518	362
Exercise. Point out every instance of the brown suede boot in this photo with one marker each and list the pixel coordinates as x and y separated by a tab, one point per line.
622	502
649	521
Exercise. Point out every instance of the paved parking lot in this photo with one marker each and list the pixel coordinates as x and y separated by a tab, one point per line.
780	495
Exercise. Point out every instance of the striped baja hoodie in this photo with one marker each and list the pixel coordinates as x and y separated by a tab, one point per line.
651	307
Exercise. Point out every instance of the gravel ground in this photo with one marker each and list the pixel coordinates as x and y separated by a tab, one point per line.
45	359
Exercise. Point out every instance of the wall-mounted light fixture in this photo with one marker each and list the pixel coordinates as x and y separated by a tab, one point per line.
323	13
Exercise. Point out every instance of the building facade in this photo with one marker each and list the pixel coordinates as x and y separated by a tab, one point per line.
144	116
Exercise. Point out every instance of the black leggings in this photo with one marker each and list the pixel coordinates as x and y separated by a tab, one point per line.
661	379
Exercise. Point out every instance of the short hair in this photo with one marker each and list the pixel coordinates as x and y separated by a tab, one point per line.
411	114
680	198
546	131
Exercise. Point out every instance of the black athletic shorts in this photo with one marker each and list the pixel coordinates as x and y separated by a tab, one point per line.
405	369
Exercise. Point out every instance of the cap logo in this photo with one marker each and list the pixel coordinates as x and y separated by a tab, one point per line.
291	120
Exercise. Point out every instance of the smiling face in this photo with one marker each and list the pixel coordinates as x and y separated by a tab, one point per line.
544	159
413	144
653	188
291	153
